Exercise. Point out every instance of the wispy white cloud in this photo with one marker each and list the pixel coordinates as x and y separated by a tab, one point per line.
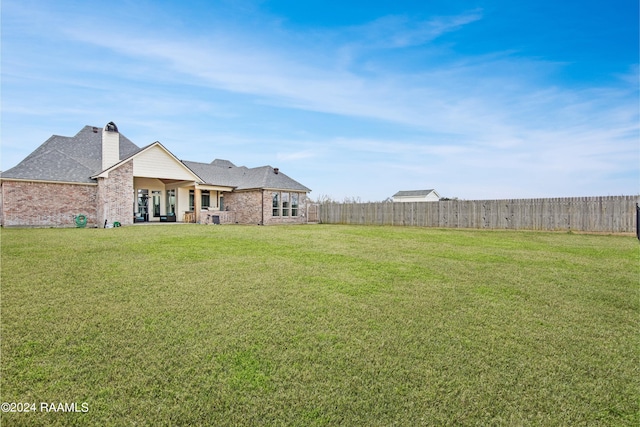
482	113
396	31
279	78
473	96
296	155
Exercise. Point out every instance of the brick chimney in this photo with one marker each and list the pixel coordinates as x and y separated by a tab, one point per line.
110	145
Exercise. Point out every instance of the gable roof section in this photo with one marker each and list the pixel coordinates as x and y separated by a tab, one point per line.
50	165
266	177
415	193
67	159
223	163
224	173
78	159
155	161
227	176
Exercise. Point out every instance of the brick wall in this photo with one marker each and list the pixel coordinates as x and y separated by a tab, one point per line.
246	205
269	219
55	205
115	196
38	204
225	217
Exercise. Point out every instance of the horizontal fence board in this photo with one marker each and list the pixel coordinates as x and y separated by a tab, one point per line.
612	214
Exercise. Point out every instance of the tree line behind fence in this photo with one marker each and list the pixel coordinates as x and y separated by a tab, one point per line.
614	214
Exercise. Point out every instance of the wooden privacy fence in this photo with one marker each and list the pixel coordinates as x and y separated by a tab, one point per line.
613	214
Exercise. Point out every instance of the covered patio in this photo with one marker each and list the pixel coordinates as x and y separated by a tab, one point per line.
173	200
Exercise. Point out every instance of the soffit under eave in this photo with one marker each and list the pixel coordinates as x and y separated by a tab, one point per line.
45	181
290	190
214	187
179	184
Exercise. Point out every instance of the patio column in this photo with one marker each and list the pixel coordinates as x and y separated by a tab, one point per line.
196	204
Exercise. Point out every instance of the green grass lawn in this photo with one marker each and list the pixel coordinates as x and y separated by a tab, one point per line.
320	325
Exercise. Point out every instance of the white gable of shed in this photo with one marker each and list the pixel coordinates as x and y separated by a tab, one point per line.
416	196
157	162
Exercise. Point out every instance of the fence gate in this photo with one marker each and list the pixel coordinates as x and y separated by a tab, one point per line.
312	213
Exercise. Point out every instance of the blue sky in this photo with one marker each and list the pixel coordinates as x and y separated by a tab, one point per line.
477	99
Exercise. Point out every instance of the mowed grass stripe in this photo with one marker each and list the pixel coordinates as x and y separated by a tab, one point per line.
320	325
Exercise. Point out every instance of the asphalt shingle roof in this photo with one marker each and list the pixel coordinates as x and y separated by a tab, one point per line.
223	172
413	193
78	158
68	159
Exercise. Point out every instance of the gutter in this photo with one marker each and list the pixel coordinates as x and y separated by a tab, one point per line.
43	181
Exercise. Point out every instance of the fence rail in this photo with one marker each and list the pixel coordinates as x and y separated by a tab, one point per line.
614	214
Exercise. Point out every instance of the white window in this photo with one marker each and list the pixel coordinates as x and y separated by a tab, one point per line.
276	204
285	204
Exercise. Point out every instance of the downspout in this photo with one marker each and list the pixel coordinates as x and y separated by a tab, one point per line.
1	203
262	221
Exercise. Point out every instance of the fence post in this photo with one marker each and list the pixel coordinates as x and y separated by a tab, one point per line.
638	221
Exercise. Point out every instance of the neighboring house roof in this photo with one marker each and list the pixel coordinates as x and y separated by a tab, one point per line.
223	172
68	159
415	193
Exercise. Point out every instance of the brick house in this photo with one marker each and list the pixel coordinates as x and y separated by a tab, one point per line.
102	175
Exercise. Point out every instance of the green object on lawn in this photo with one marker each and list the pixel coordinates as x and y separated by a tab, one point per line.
81	221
